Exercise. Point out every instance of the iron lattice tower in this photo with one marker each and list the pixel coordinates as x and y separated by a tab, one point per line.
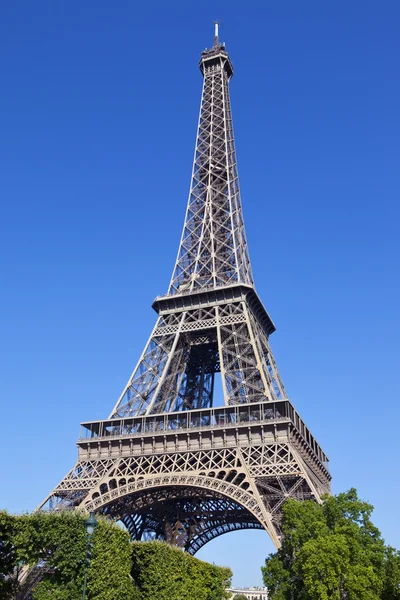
167	462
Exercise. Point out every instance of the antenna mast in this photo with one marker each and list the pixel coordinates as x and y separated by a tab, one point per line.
216	36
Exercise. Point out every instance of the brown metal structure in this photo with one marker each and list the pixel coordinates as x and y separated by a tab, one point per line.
168	462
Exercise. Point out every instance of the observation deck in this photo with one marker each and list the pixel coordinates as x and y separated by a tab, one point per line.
185	300
245	424
213	57
217	55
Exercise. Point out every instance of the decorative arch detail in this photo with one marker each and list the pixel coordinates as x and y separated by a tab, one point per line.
243	497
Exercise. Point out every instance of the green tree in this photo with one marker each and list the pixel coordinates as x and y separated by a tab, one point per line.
162	572
8	559
331	552
239	597
110	568
56	544
392	575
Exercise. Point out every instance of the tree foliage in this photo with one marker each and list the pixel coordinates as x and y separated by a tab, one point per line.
110	567
58	544
162	572
54	547
8	560
392	575
332	552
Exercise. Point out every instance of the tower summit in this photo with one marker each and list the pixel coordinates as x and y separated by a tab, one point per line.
175	460
213	249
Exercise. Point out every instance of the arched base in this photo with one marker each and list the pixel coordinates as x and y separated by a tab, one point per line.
190	497
186	517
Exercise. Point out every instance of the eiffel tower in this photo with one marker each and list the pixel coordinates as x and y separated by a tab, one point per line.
170	463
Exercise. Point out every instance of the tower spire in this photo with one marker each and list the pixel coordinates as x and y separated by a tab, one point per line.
213	250
216	36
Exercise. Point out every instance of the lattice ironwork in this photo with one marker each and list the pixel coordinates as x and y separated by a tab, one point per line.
168	463
213	250
229	338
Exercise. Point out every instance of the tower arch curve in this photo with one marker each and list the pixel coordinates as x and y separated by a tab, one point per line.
187	511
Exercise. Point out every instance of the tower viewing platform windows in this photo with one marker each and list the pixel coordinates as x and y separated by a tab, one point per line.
258	413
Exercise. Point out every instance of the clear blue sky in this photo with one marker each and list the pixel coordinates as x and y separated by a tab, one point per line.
98	111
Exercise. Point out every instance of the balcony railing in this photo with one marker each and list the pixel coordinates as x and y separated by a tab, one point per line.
215	418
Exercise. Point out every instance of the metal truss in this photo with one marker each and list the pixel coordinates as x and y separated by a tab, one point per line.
183	516
151	479
213	250
168	463
187	348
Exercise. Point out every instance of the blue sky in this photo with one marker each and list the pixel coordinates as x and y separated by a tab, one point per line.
98	114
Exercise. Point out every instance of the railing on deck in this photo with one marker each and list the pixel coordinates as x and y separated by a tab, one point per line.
185	421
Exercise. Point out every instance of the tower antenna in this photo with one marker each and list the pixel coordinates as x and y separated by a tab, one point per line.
216	36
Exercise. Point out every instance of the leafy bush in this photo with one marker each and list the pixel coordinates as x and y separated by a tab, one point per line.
162	572
54	547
